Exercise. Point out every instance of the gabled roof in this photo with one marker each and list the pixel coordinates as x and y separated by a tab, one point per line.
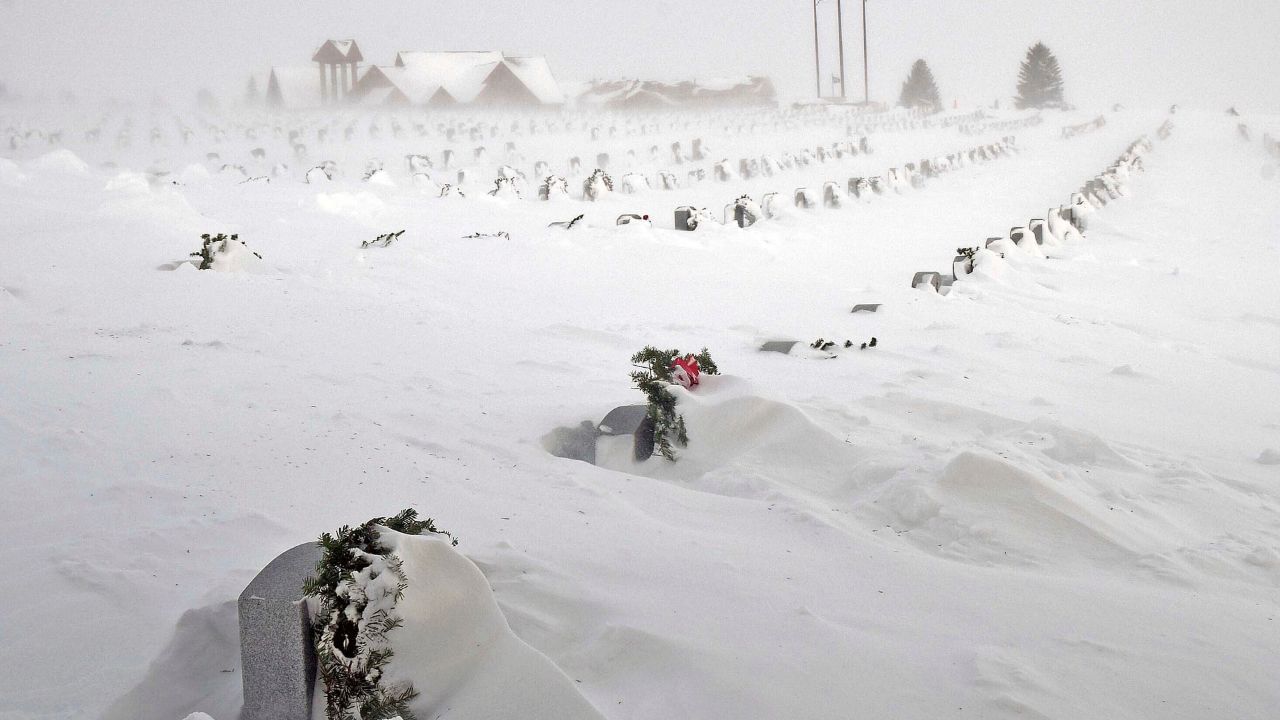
294	87
535	73
417	87
448	61
338	51
464	74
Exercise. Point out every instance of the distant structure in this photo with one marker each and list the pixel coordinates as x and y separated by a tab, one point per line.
435	79
446	79
654	95
339	59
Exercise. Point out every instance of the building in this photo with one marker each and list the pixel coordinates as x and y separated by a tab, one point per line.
654	95
436	79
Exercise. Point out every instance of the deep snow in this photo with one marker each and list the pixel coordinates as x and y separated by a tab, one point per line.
1051	493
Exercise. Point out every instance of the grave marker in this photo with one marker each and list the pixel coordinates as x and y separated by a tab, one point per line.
277	652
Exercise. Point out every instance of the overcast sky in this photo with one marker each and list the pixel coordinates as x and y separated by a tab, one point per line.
1142	52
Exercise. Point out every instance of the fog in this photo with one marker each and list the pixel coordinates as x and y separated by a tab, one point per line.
1144	53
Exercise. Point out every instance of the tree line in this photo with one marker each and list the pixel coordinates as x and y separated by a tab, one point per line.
1039	83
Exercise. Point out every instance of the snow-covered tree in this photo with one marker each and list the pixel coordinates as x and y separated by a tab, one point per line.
251	95
1040	80
920	90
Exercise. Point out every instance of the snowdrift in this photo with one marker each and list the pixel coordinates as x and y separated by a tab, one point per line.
742	444
459	652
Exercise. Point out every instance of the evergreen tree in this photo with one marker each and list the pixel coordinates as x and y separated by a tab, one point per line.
251	94
920	90
1040	80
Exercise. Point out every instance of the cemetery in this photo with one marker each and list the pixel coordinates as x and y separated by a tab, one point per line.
956	455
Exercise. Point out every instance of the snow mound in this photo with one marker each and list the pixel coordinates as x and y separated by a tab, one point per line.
235	256
1018	507
128	183
59	162
363	206
196	670
10	174
743	445
457	649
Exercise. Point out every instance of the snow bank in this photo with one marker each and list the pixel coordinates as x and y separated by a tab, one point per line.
10	174
458	651
59	163
198	670
363	207
741	444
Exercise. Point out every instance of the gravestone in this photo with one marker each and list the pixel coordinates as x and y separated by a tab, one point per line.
769	204
686	218
925	279
631	420
832	196
1036	225
779	346
277	653
804	199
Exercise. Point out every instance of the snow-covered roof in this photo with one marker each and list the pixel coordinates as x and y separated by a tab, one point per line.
463	74
448	61
535	72
338	51
294	87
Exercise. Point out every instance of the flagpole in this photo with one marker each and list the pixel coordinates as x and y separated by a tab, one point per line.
866	73
840	29
817	65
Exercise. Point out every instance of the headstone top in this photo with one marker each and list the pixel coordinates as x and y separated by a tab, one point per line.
282	578
624	420
779	346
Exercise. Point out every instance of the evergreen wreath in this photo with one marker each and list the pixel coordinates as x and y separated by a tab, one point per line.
357	585
382	240
652	376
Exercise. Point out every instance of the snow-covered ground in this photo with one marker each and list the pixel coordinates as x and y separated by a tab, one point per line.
1054	492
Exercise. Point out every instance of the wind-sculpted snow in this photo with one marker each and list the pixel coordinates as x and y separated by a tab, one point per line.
1050	492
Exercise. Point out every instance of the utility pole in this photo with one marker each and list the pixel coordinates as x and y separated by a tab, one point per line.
840	30
817	64
866	73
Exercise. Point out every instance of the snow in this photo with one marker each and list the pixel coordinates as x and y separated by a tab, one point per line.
457	650
981	516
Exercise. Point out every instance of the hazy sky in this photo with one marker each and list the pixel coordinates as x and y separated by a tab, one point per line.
1141	51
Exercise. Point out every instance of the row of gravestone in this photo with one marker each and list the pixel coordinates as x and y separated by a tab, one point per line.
983	127
1269	144
1070	131
745	212
1060	225
323	129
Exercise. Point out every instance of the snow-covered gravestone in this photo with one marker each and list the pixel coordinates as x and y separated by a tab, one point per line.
1036	225
633	420
277	654
926	280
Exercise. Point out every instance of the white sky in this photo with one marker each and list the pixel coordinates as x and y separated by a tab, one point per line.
1142	52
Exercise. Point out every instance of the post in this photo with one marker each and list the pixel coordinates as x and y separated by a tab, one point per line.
840	30
333	87
866	74
817	64
324	90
